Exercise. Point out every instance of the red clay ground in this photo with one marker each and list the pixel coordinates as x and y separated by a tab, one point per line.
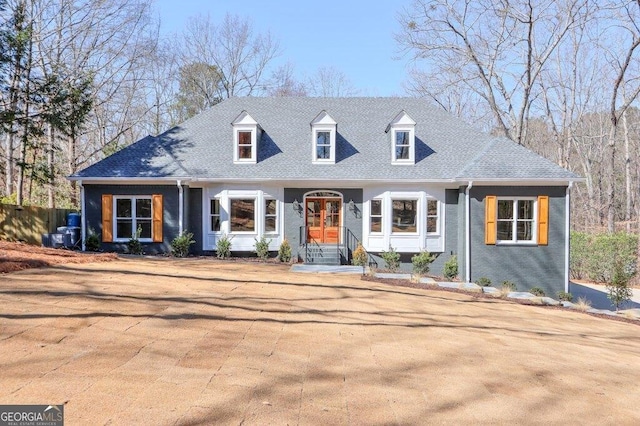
19	256
199	342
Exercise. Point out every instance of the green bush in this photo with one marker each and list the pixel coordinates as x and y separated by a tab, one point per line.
506	284
180	244
483	282
421	262
262	248
594	256
451	268
391	259
564	296
92	242
284	252
537	291
134	245
360	257
223	247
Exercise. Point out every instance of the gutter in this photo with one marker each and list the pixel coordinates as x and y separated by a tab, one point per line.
467	242
83	218
180	206
567	235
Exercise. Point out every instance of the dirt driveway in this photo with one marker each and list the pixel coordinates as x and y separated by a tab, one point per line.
204	342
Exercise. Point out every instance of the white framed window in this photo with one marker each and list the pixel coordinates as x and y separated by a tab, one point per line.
214	221
375	216
246	133
270	216
242	215
404	215
516	220
403	139
323	134
133	215
402	145
433	216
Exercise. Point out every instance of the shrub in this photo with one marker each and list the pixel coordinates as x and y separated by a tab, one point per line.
134	245
391	259
618	290
262	248
483	282
509	284
564	296
537	291
451	268
93	241
223	247
284	252
360	257
421	262
180	244
595	256
582	304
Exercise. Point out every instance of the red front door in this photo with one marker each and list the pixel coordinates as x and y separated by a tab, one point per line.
323	219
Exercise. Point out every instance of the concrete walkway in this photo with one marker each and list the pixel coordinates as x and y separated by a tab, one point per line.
200	342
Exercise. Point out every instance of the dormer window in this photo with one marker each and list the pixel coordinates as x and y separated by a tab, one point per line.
403	140
323	132
246	134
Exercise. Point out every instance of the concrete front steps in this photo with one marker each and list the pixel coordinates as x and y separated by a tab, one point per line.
322	254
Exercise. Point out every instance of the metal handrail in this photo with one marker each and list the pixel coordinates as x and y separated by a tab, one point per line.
345	245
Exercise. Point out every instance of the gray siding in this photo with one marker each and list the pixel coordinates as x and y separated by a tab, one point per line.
293	220
193	213
526	266
93	200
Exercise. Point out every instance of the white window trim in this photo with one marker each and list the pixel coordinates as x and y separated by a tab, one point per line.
438	217
255	215
236	144
219	215
417	218
276	215
332	140
412	146
382	225
134	219
514	220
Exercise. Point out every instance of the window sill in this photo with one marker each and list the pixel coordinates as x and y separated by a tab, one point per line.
126	240
516	243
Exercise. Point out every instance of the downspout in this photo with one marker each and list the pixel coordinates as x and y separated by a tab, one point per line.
567	235
467	243
83	217
180	206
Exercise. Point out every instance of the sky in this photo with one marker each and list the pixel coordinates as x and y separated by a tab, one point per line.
353	36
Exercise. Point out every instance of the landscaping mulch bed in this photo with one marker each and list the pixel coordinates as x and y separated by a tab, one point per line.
411	284
16	256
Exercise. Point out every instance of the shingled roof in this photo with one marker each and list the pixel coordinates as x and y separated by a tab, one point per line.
447	149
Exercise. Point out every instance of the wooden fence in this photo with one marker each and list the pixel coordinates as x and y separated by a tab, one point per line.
22	223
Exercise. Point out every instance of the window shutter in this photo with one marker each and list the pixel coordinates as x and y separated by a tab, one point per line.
157	218
107	218
490	219
543	220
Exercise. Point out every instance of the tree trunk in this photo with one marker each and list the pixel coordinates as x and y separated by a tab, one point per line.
611	177
627	174
8	163
51	192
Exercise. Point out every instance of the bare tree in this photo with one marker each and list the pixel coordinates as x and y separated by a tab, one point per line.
330	82
496	50
241	57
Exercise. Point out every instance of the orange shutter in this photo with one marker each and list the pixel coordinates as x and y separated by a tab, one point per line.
107	218
157	218
490	219
543	220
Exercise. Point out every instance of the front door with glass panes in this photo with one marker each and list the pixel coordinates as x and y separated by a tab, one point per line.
323	220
